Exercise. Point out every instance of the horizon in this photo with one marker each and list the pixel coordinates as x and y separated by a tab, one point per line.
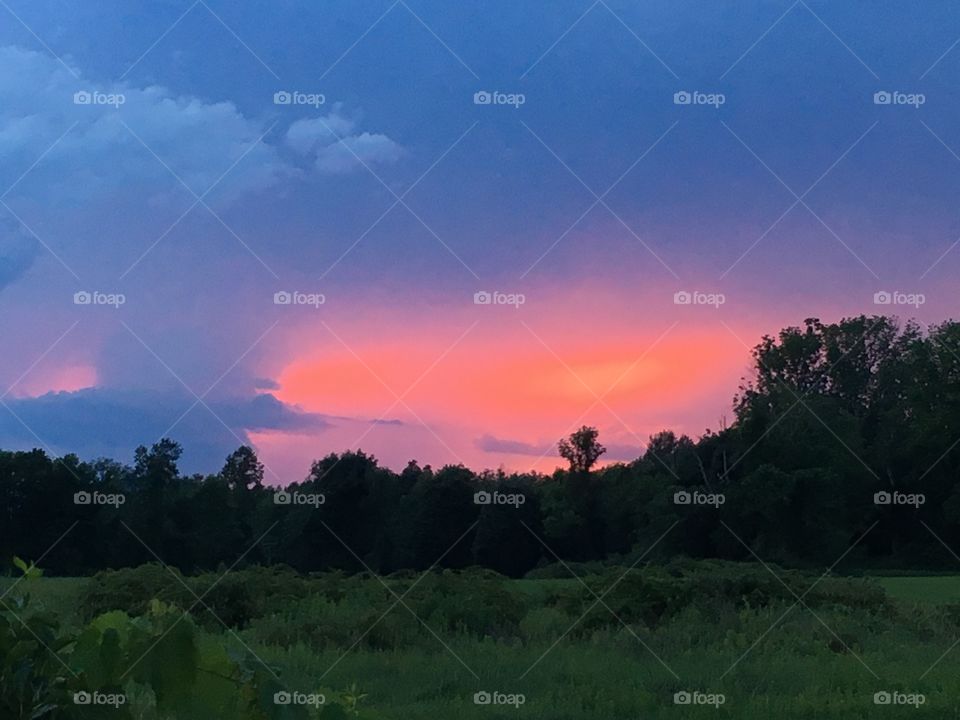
548	458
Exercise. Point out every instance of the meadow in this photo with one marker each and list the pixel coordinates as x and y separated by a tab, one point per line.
730	638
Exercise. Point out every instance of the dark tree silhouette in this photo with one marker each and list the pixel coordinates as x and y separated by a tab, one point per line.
832	414
243	470
581	449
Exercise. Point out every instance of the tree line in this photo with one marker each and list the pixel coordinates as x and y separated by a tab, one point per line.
845	435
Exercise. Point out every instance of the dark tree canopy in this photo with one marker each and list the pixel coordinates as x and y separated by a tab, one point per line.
581	449
832	415
243	470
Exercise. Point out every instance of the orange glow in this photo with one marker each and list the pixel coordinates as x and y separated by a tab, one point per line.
501	380
532	383
493	387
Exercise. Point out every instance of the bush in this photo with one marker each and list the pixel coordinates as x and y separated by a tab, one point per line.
131	590
652	594
235	598
544	624
476	602
239	597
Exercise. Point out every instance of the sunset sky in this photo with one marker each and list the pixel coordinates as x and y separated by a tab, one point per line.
149	157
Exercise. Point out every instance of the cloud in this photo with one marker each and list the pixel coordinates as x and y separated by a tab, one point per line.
305	135
357	150
88	139
491	444
128	418
18	250
95	139
622	453
336	148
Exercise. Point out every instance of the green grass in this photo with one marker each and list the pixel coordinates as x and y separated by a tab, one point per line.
767	659
791	674
57	595
933	589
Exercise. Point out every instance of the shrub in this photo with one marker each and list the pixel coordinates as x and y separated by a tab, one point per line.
235	597
131	590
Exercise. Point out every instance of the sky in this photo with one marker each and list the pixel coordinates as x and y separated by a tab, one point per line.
451	232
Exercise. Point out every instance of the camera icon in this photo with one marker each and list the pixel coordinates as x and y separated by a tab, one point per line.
82	698
882	298
82	498
682	698
682	497
482	498
482	298
682	298
282	98
882	698
682	98
282	298
482	698
82	298
882	98
282	498
482	98
882	498
282	698
82	98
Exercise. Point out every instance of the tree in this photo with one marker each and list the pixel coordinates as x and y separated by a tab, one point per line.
581	449
243	470
435	520
154	475
158	464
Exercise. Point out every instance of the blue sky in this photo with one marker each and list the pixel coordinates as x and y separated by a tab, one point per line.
198	198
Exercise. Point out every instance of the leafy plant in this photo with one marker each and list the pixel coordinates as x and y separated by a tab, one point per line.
50	673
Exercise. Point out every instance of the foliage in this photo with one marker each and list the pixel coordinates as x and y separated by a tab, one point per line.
233	598
154	665
702	618
581	449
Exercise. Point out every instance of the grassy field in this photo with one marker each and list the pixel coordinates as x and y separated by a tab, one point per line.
60	596
730	632
937	589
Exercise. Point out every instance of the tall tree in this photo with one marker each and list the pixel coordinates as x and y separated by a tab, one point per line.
243	469
581	449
